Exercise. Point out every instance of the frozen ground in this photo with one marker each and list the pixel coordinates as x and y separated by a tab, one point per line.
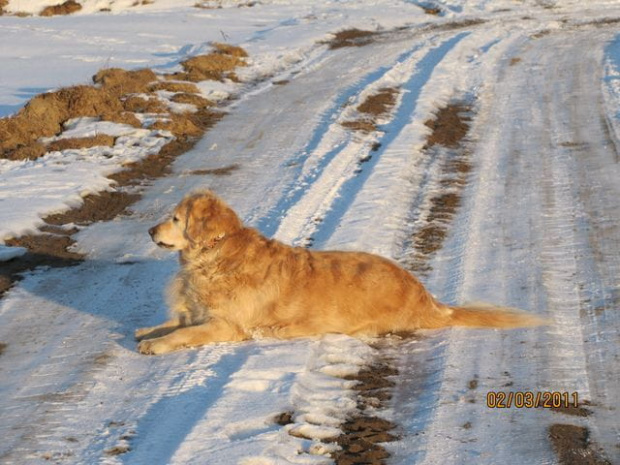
538	228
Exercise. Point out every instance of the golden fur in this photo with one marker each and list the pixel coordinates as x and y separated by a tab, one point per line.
234	284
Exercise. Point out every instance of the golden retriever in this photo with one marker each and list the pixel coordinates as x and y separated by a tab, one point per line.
235	284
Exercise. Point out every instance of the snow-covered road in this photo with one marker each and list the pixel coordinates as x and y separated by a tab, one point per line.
536	225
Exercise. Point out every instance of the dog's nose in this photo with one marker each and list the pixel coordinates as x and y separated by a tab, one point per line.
152	231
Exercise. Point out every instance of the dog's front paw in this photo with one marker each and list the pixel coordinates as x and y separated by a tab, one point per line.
154	347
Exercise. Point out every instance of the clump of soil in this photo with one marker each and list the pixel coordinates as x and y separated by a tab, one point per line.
360	125
192	99
379	103
137	104
572	445
100	140
215	66
66	8
374	107
449	127
232	50
174	86
119	81
351	38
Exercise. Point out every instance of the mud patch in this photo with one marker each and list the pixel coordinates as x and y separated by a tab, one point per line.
223	171
447	140
372	109
572	445
363	434
449	127
66	8
351	38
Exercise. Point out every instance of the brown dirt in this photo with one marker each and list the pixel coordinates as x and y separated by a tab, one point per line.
228	49
380	103
119	81
449	130
216	66
192	99
223	171
66	8
138	104
44	115
572	445
364	433
174	86
351	38
449	127
3	346
81	143
373	108
360	125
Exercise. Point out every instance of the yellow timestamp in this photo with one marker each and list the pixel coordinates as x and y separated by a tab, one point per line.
532	399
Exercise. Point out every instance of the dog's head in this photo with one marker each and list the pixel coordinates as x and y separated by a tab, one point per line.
199	220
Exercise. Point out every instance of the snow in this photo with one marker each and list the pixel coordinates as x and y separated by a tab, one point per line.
537	228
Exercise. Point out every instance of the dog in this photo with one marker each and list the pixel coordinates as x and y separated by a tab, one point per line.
235	284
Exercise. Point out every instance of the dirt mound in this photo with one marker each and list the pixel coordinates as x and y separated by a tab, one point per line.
119	81
192	99
66	8
213	66
232	50
45	114
112	100
138	104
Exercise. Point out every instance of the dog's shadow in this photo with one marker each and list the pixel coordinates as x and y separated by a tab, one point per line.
116	297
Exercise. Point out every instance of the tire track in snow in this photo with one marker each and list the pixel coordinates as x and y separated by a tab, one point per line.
527	246
329	192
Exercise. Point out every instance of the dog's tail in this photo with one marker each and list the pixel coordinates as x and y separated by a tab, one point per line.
489	316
